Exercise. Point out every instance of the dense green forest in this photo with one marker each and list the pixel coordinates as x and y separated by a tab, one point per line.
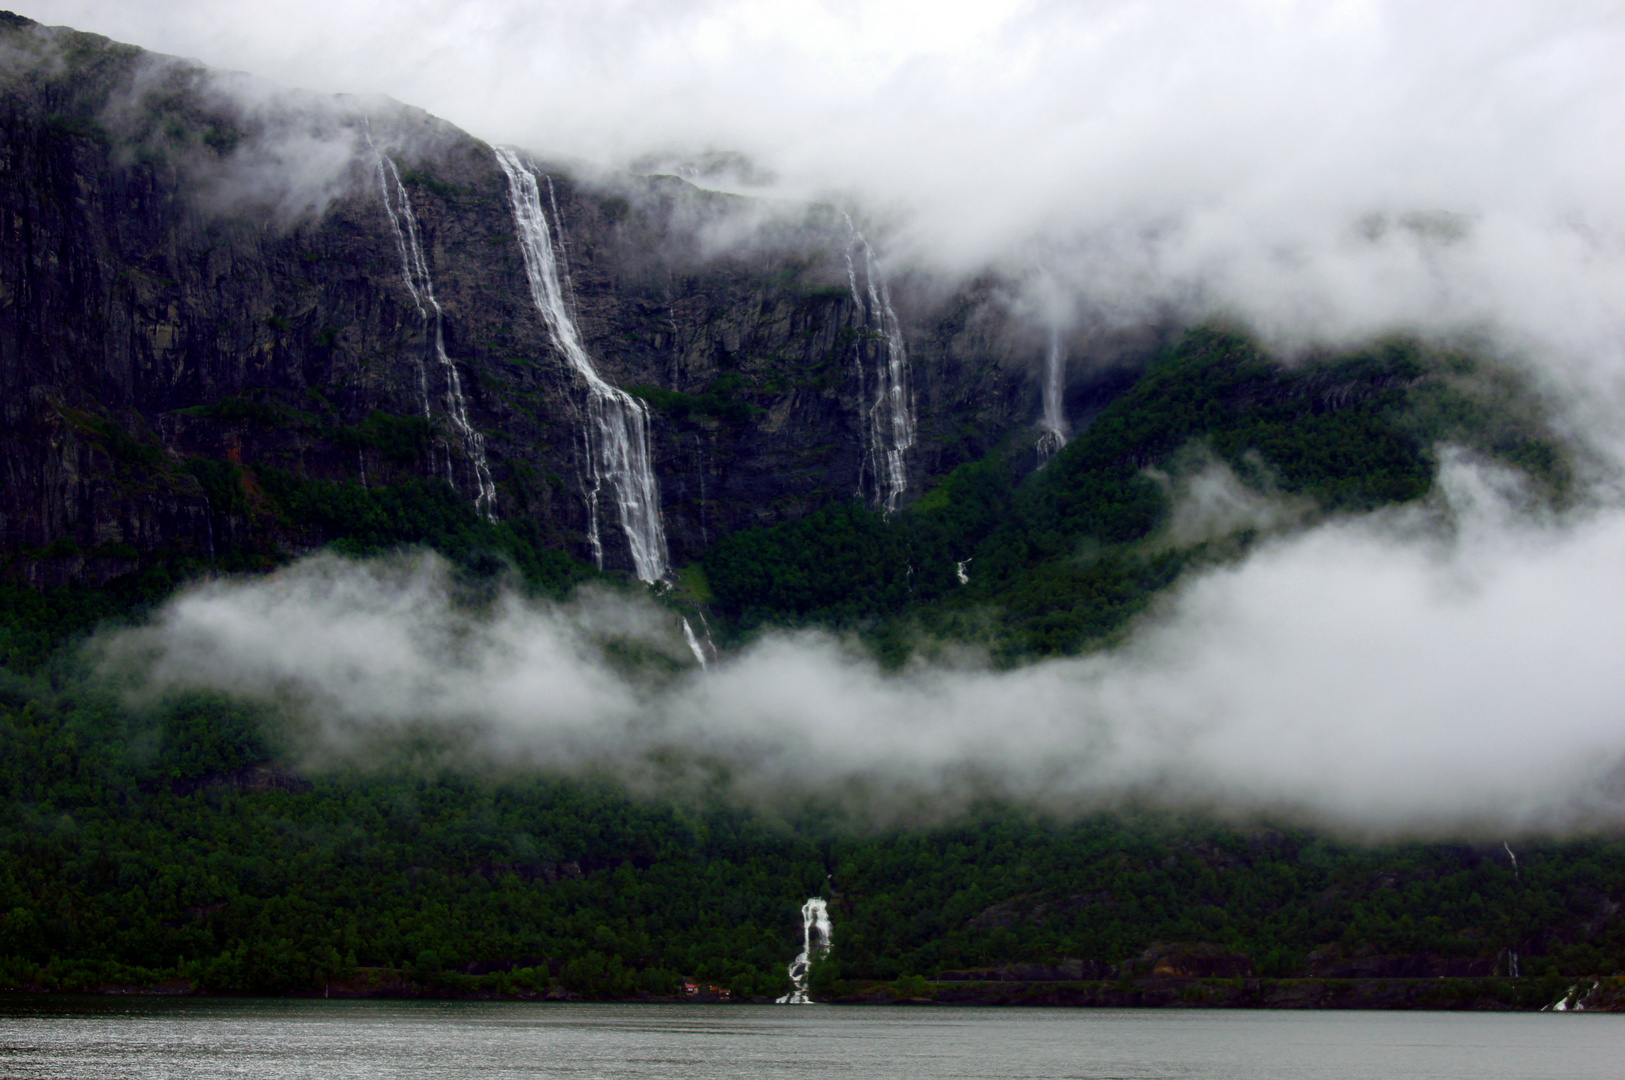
175	840
148	847
1060	558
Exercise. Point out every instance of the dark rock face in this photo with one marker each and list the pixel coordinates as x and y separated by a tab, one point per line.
196	269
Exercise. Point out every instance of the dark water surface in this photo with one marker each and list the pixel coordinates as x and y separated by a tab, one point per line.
188	1037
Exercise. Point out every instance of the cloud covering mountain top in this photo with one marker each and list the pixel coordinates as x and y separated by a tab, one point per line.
1324	170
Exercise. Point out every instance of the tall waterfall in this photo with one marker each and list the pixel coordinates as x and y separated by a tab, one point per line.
419	283
617	428
816	937
1054	422
889	420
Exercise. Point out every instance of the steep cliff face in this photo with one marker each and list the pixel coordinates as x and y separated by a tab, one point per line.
204	281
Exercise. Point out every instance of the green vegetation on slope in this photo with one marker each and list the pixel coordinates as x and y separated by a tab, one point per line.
352	519
171	841
140	848
154	845
1067	555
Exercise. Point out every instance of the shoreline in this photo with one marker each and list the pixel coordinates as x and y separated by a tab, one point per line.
1530	994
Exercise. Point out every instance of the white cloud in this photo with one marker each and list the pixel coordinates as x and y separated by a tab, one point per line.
1373	673
1215	155
1323	170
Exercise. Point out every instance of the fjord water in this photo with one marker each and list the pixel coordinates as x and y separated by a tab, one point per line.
96	1038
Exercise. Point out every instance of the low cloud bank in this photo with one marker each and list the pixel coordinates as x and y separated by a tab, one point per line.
1321	171
1420	670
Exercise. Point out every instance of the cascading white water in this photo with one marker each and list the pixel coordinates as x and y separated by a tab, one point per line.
385	169
694	644
1054	422
816	937
889	421
705	635
1572	1000
617	429
418	282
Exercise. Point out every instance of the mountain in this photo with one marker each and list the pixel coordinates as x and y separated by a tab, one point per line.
205	275
239	324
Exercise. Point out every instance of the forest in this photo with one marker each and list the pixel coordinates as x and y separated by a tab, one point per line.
178	842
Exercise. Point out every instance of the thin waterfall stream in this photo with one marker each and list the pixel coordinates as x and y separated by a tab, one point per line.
419	283
1512	953
694	645
889	421
617	429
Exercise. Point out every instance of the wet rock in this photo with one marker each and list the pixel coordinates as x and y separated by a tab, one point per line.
169	294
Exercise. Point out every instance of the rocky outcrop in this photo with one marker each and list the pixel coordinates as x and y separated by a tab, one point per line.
195	269
1194	961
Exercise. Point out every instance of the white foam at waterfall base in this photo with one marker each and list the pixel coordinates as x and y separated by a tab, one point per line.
420	284
617	428
817	934
889	420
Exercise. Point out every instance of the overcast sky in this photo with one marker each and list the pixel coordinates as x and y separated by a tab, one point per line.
1324	169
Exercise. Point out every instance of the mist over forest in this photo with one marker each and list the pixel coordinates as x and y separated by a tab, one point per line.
1066	485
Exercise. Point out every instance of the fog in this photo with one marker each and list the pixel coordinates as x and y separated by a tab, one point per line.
1450	667
1322	172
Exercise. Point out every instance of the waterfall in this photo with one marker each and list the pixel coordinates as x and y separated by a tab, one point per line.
386	169
889	420
1573	1000
816	936
415	270
1512	954
617	430
1054	422
694	644
705	631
